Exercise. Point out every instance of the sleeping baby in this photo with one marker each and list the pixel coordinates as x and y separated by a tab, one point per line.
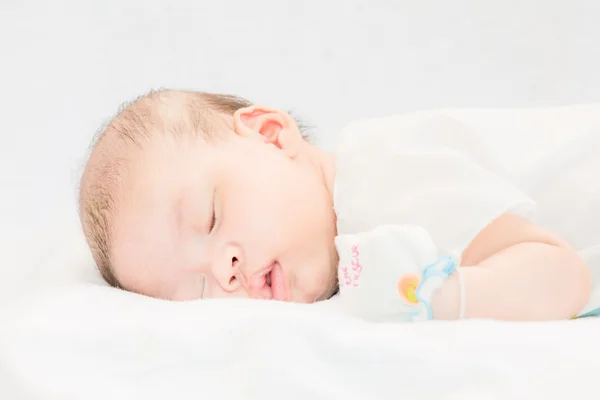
190	195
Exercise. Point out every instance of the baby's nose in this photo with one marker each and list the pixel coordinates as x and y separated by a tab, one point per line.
233	273
226	269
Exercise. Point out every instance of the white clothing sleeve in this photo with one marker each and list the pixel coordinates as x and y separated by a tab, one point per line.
428	170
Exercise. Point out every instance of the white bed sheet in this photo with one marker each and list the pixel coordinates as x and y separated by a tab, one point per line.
69	336
91	342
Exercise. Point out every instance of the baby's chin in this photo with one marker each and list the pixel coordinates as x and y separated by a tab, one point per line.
330	292
325	292
316	284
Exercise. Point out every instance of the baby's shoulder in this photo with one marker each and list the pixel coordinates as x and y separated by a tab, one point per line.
423	130
420	135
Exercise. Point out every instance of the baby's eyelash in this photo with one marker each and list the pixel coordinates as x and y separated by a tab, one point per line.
213	222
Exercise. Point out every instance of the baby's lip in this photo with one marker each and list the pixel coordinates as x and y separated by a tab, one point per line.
279	284
258	285
270	283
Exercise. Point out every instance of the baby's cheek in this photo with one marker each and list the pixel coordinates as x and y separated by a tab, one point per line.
314	284
329	282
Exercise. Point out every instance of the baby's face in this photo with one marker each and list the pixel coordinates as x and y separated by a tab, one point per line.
238	218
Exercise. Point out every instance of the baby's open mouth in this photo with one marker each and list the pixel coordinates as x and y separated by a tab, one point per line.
271	284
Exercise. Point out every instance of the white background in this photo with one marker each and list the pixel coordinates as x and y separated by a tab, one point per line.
65	67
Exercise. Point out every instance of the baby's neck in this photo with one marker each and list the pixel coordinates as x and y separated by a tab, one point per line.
327	167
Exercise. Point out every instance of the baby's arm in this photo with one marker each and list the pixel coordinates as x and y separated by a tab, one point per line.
520	272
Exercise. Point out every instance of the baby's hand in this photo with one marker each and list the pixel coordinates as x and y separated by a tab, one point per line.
390	273
418	291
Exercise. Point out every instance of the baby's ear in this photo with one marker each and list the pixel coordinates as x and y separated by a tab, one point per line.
269	125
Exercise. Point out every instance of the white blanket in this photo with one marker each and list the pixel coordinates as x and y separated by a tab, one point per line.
91	342
83	340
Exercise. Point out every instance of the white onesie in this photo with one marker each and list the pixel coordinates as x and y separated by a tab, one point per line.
426	178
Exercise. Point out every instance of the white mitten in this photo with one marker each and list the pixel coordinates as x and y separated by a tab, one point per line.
390	273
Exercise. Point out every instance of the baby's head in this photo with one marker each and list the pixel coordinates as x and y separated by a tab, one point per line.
191	195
